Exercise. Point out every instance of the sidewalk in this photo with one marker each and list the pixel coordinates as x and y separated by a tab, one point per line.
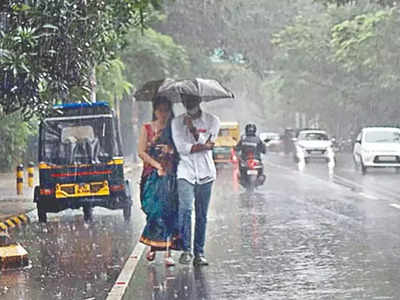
13	207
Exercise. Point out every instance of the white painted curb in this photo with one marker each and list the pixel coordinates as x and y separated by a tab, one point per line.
118	290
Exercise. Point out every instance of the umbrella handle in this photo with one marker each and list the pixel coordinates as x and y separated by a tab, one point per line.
209	138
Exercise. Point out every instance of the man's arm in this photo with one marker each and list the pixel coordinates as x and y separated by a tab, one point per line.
189	124
261	146
209	144
238	145
214	130
182	146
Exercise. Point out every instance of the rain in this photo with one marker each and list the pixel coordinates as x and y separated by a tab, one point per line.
304	162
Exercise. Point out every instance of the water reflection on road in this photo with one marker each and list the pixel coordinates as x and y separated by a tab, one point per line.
70	260
298	237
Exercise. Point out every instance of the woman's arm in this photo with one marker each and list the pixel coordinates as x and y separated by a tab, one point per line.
145	157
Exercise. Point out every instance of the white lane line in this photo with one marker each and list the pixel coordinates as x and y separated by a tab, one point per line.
118	290
395	205
368	196
345	180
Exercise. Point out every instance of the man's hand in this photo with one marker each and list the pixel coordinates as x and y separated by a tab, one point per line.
210	145
202	147
187	120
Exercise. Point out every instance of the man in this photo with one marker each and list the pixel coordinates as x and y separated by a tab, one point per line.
250	144
194	133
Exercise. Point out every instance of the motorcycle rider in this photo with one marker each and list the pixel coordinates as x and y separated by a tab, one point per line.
250	145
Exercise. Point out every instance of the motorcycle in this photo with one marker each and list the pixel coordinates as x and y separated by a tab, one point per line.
251	173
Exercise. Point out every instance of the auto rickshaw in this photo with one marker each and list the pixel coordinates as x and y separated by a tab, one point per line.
80	161
228	137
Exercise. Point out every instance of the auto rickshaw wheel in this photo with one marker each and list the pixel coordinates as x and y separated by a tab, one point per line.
42	215
127	213
87	213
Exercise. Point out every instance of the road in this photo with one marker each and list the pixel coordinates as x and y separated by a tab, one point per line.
306	234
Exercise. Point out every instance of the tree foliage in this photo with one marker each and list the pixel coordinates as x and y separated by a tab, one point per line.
345	60
357	2
48	48
111	81
151	55
234	26
14	136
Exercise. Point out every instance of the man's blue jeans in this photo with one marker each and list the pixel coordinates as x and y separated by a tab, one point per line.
201	194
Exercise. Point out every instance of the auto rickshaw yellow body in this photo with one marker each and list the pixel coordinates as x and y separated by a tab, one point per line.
228	137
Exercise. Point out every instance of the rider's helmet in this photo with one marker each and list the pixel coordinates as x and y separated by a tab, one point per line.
250	129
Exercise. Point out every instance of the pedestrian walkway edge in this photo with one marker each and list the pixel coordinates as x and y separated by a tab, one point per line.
118	290
14	221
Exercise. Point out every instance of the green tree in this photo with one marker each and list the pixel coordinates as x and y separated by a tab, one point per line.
356	2
14	137
111	82
48	48
344	62
151	55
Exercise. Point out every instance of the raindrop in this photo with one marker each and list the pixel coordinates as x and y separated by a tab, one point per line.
88	287
104	276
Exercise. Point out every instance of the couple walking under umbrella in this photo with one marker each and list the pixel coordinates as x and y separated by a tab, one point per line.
178	170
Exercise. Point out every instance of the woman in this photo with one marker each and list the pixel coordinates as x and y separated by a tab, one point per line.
158	193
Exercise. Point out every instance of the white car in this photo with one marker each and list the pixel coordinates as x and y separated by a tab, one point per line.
377	147
313	143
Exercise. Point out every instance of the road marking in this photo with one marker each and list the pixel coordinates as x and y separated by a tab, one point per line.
395	205
344	182
368	196
378	189
118	290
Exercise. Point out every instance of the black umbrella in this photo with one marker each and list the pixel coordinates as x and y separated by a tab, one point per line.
149	90
202	89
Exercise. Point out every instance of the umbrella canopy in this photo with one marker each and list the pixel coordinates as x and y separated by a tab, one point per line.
202	89
149	90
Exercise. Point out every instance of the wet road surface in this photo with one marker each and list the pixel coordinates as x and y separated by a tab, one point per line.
71	259
301	236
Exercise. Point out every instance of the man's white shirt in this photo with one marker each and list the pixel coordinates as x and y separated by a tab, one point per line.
195	167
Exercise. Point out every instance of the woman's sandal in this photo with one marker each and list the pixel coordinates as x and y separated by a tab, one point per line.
151	255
